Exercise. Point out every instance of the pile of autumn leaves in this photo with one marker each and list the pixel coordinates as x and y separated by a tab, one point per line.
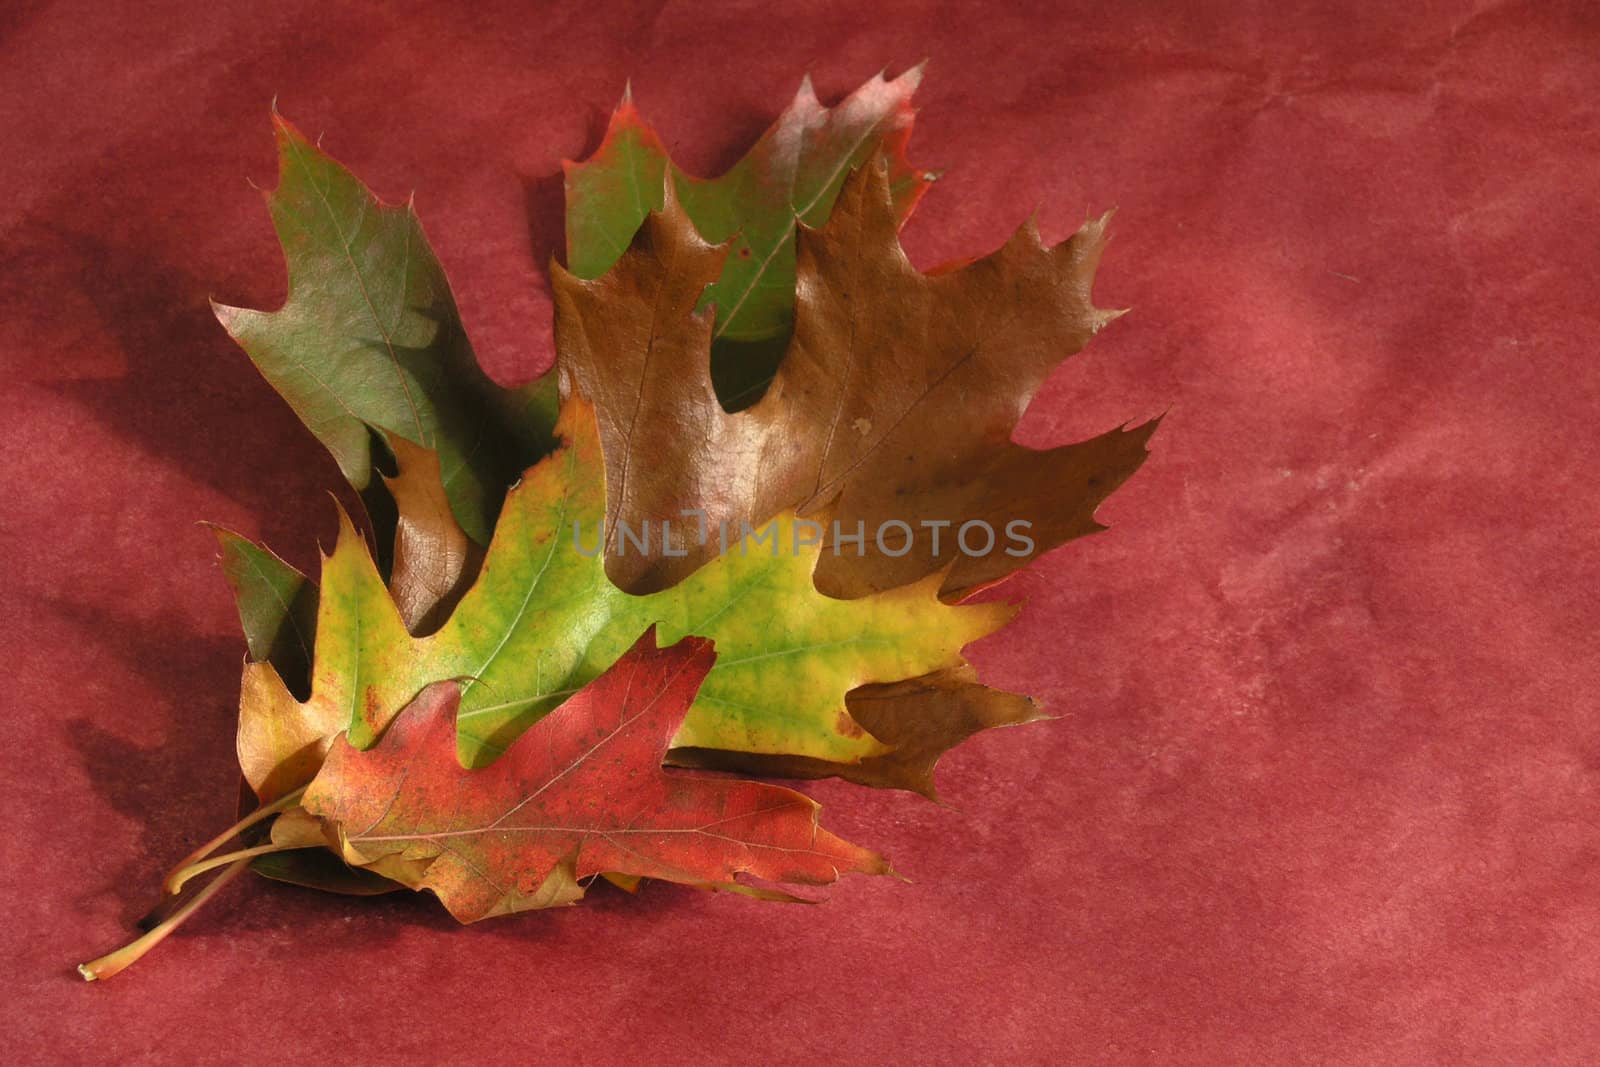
482	709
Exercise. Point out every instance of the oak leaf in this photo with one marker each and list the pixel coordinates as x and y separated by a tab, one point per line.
277	607
580	793
542	621
433	560
370	337
892	410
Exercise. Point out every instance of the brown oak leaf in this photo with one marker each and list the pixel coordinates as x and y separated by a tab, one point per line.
892	410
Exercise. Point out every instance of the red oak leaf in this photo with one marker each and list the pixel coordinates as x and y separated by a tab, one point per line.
581	792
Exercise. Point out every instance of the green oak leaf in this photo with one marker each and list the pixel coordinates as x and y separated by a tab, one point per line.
277	606
370	338
542	621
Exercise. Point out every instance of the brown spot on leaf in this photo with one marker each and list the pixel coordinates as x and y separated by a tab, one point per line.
373	709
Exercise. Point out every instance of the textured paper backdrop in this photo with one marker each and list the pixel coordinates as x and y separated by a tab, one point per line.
1325	784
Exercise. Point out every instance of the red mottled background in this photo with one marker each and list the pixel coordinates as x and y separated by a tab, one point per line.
1327	783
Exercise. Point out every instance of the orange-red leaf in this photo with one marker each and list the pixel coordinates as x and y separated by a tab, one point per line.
581	792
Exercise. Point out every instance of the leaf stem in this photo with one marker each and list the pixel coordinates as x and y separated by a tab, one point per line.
266	811
113	963
177	878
